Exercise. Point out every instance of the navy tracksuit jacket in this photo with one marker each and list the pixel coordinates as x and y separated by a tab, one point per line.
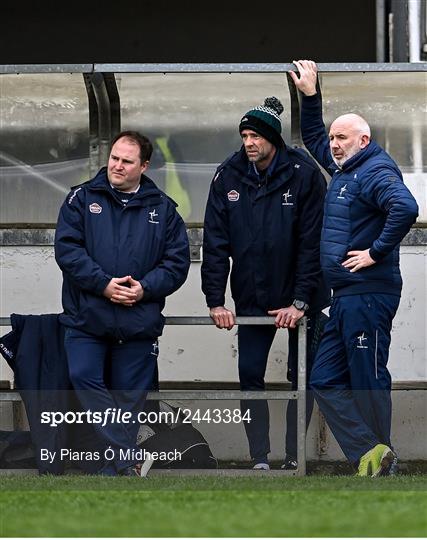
112	349
99	237
367	207
271	232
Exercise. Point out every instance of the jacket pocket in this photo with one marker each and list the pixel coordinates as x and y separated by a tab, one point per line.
96	315
141	321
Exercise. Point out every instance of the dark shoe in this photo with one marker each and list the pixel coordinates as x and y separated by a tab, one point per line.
392	469
290	464
133	470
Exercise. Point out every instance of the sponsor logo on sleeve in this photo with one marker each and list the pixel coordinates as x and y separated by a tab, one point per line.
233	195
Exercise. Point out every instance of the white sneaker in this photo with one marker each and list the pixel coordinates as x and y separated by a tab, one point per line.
261	467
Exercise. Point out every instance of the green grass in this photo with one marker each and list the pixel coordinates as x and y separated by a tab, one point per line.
214	506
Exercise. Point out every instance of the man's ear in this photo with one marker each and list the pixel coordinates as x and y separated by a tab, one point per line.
144	166
364	141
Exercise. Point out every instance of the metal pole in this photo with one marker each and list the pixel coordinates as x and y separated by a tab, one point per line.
93	126
200	321
414	24
381	24
301	401
295	113
104	116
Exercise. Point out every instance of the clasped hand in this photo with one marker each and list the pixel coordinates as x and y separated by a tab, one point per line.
126	295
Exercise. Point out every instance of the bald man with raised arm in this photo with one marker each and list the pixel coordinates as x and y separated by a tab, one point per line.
368	211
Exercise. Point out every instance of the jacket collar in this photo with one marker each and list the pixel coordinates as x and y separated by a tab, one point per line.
252	170
355	161
148	188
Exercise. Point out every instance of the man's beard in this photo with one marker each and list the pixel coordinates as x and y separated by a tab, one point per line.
256	158
350	153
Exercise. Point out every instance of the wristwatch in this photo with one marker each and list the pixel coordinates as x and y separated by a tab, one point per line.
300	304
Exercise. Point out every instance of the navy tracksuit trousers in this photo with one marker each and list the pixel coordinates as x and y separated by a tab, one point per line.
349	377
254	342
108	374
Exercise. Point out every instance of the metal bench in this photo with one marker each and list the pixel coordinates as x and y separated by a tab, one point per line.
217	390
225	390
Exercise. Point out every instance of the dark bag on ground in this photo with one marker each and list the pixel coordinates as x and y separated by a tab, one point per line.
184	445
17	450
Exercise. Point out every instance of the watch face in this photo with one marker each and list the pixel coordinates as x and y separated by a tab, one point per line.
299	304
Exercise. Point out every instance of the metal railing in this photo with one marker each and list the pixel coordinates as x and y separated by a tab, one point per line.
299	394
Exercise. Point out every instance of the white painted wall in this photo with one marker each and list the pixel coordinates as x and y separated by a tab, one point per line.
31	283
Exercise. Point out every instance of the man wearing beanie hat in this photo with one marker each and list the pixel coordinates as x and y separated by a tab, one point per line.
264	211
265	120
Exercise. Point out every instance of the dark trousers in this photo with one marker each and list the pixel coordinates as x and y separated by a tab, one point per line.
254	344
349	378
108	374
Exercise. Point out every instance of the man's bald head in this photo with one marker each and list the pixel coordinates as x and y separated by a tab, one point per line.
354	122
348	134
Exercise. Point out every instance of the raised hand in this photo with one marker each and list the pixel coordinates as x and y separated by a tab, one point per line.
306	82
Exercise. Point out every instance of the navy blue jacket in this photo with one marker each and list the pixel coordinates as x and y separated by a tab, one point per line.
367	207
271	232
35	351
99	237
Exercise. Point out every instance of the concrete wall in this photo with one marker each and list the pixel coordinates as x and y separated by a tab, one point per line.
31	283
